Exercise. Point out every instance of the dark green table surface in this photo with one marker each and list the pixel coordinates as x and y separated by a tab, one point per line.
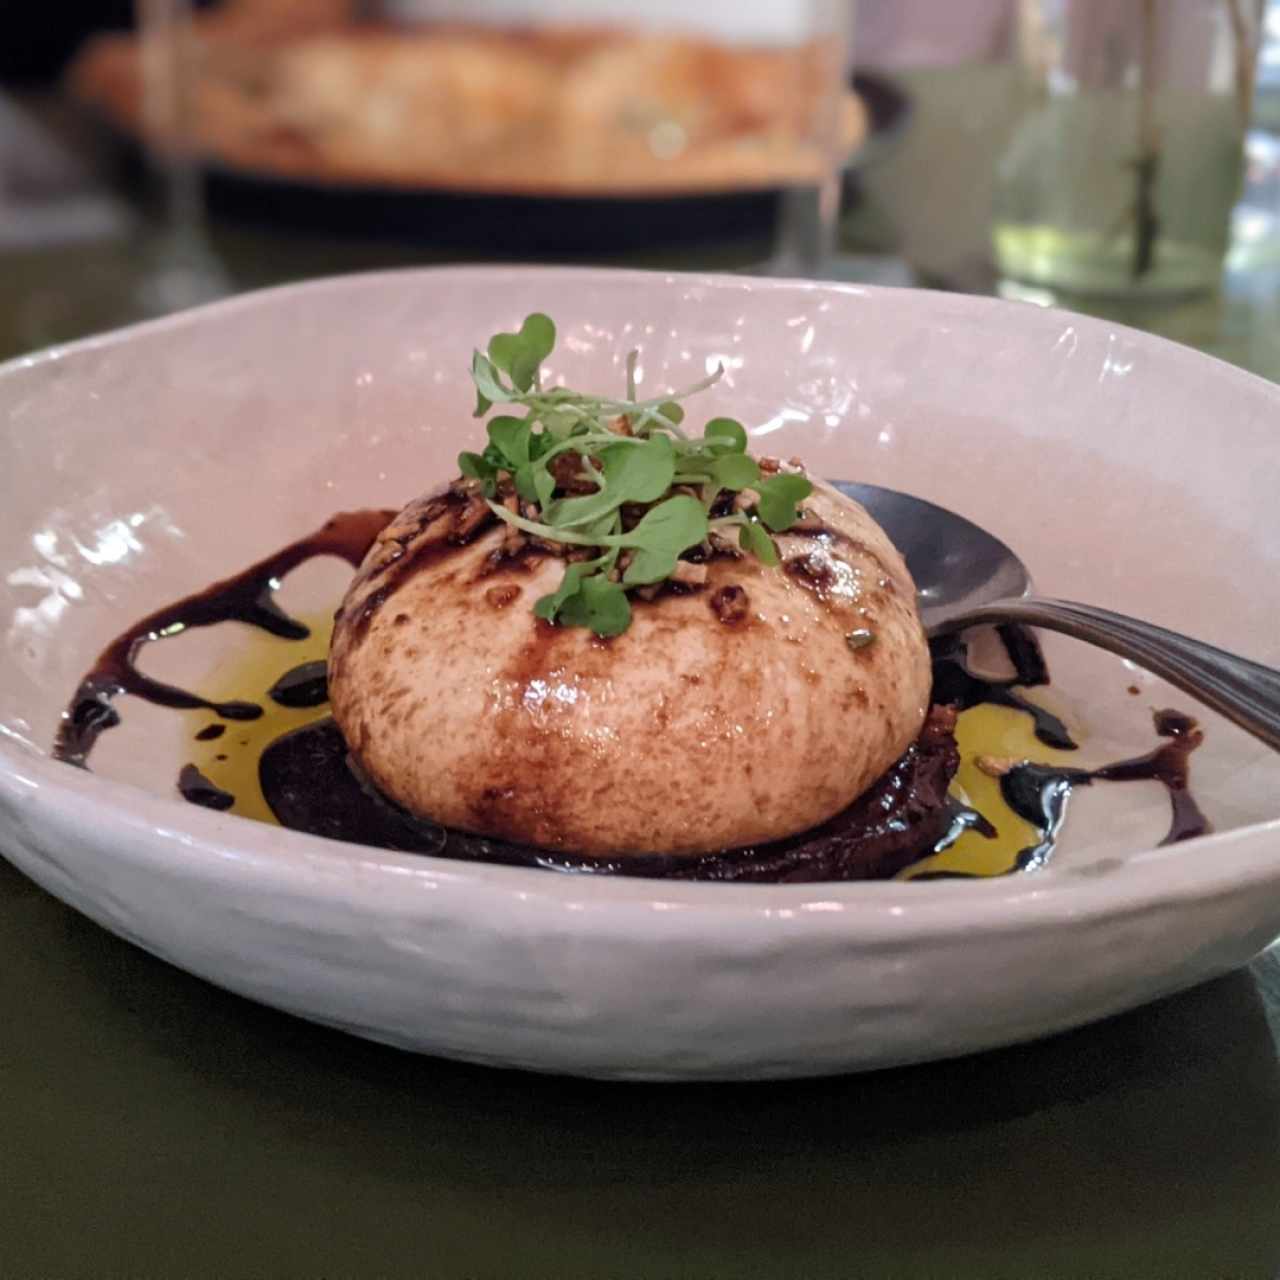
154	1126
151	1125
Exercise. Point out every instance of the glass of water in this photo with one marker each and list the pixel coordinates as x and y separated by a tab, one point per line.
1120	179
179	268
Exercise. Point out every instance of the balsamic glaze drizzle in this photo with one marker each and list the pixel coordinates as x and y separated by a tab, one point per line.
1039	792
306	685
200	790
247	596
312	785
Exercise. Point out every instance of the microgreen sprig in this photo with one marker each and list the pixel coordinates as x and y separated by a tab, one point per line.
644	490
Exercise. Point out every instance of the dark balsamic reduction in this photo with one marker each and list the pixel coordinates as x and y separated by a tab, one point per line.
245	597
1168	765
306	685
428	529
200	790
956	686
1039	792
312	785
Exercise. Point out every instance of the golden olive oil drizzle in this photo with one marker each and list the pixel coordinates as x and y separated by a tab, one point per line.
231	761
1002	733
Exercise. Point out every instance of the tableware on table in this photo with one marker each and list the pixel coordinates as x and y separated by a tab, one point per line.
968	578
148	462
517	221
809	210
542	133
181	269
1121	177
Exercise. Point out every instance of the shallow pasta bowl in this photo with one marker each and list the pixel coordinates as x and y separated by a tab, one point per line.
1125	470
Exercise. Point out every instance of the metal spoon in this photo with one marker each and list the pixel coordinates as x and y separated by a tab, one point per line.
966	577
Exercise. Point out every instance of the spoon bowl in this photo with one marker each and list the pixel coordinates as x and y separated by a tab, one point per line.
967	577
956	564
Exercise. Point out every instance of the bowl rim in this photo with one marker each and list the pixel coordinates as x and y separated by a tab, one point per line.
974	302
203	844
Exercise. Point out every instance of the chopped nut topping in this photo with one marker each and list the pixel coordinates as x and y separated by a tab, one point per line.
722	547
466	520
691	575
996	766
570	473
512	538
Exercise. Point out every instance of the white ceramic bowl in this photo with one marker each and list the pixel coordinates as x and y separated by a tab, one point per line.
1128	471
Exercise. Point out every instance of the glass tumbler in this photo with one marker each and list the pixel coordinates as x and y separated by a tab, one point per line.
1121	176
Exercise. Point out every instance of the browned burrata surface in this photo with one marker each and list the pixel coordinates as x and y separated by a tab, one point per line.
737	713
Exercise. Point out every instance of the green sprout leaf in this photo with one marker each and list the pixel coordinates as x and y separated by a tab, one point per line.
540	442
477	467
631	473
510	436
735	471
633	452
639	473
544	485
547	607
778	497
649	565
519	355
572	513
599	604
558	425
666	530
526	482
489	388
473	465
753	538
539	334
679	522
725	435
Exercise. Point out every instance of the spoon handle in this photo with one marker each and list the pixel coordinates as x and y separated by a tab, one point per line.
1247	693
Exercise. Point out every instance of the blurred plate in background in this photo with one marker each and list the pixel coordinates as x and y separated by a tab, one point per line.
529	141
